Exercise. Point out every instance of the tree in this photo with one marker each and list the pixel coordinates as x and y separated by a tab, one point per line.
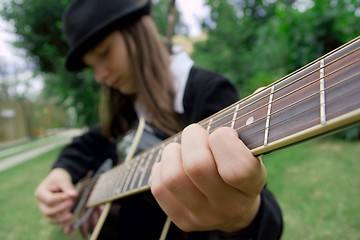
254	43
257	42
40	35
39	29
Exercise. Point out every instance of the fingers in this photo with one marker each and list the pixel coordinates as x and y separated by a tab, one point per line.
45	195
59	212
200	165
69	189
174	191
235	162
210	181
56	196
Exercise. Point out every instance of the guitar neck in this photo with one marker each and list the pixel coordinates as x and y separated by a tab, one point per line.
321	97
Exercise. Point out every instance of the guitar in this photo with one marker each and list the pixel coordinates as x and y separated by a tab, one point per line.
321	97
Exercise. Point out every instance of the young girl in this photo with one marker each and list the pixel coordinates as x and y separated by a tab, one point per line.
210	185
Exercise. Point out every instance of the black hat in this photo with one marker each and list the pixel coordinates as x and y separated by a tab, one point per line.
87	22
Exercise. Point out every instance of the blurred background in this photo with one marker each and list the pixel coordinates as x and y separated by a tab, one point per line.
252	42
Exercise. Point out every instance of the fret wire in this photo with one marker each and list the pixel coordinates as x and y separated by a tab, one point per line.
281	97
209	125
158	156
139	169
290	93
234	116
311	109
314	109
109	184
147	164
322	93
104	178
150	157
266	134
88	182
300	100
123	174
133	165
298	79
157	159
128	171
303	99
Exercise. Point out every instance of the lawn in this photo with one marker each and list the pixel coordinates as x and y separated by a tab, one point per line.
23	146
316	183
20	218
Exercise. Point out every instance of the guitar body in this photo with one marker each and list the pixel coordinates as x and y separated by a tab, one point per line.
138	211
137	217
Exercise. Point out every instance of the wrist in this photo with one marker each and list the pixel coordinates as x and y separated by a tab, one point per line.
246	219
60	173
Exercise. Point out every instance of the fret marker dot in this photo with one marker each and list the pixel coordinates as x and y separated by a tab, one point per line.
250	120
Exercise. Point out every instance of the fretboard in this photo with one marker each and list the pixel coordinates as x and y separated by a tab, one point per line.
321	97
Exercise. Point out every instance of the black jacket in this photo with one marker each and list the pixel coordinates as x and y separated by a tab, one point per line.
205	94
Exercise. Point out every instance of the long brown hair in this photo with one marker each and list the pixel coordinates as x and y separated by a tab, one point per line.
154	82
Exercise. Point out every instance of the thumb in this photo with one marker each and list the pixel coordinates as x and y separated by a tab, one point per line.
69	188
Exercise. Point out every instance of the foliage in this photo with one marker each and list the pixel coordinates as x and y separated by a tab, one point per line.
40	35
42	38
257	42
38	27
254	43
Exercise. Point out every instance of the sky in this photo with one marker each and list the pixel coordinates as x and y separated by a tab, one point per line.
192	12
6	49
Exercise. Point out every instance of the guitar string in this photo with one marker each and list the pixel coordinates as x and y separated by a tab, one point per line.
277	90
94	179
313	108
353	91
299	101
267	95
287	85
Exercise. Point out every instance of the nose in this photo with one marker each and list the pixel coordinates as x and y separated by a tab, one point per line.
101	74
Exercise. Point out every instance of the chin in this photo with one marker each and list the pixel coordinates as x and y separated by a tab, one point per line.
126	91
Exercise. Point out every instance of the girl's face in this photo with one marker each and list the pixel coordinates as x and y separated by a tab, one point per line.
111	63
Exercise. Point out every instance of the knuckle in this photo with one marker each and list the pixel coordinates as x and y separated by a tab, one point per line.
196	163
156	189
47	213
173	180
187	225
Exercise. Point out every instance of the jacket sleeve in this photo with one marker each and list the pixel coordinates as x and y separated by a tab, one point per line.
86	152
206	94
267	225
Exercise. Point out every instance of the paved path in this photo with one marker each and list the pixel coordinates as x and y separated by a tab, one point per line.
62	138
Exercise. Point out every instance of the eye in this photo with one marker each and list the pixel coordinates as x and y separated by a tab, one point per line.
104	53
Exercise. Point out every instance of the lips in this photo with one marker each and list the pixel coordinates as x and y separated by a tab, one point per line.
112	83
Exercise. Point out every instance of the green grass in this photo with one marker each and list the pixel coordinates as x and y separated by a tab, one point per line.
316	183
9	151
20	218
